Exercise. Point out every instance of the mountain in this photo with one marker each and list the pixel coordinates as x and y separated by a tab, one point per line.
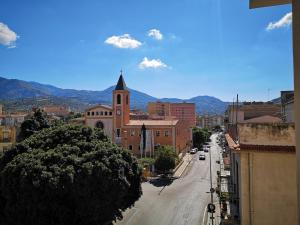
25	94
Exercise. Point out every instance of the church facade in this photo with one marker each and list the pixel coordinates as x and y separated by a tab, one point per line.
141	137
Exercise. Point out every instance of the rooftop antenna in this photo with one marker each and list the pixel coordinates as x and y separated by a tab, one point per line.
121	71
236	116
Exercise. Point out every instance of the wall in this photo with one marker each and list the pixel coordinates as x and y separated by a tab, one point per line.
272	190
135	140
289	113
267	134
107	122
11	137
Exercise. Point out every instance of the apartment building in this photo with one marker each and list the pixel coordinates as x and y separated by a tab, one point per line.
263	174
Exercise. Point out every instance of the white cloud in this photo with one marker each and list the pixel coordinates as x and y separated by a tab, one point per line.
153	63
283	22
123	41
7	36
156	34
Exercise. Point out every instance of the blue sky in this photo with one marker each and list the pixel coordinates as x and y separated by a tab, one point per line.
170	48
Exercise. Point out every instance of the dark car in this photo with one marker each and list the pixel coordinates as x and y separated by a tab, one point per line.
201	156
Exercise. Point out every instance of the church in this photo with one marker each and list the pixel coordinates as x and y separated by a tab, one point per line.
141	137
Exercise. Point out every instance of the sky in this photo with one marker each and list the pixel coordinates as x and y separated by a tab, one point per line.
169	48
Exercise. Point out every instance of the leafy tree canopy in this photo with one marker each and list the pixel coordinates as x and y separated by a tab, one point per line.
36	123
165	159
68	174
200	136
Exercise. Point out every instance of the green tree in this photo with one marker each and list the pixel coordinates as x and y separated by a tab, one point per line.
165	159
67	174
200	136
36	123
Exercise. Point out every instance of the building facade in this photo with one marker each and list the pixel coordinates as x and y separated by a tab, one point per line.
287	106
61	111
210	121
100	116
7	137
263	174
141	136
184	112
248	111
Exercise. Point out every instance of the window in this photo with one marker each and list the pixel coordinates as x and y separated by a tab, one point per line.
97	113
6	137
110	113
157	133
88	113
166	133
118	99
93	113
130	147
99	124
101	113
132	132
105	113
127	100
118	132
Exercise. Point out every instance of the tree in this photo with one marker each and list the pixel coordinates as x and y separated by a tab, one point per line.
68	174
36	123
165	159
200	136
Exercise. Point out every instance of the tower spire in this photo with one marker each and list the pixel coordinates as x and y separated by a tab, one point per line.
121	83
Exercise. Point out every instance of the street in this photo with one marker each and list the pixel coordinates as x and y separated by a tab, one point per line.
180	202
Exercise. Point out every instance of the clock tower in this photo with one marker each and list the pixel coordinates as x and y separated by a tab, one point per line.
121	107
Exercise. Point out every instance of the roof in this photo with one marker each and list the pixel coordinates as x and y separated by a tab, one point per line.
263	119
121	84
152	122
231	143
261	148
99	106
266	3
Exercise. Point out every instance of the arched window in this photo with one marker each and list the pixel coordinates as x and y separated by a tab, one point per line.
127	100
99	124
118	99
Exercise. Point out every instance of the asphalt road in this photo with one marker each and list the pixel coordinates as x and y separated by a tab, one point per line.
178	202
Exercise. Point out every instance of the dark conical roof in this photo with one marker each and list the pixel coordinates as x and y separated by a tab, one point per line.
121	84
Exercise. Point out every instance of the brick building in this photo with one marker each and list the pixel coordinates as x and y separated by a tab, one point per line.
139	136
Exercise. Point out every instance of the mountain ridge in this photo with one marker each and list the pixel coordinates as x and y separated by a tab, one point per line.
14	90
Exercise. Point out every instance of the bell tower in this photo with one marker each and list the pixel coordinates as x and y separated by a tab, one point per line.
121	108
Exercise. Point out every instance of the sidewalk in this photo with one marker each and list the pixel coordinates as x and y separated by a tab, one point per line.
186	161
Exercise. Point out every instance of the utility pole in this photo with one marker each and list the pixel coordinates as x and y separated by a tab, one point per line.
211	188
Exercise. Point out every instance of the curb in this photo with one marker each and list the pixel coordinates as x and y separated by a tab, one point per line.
184	168
178	166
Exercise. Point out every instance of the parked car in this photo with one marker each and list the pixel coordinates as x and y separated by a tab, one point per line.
201	156
194	150
205	149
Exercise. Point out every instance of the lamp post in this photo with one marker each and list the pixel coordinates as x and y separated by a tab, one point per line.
211	191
